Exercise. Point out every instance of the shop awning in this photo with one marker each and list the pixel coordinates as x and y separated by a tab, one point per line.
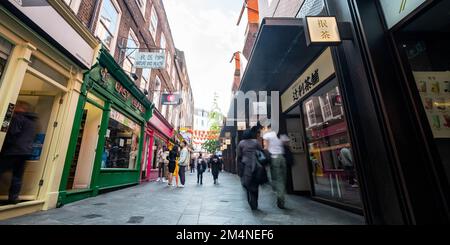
279	55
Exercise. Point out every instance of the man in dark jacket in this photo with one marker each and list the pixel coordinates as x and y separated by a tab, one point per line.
18	147
201	167
216	166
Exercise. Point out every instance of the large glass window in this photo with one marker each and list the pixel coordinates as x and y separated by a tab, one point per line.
330	150
122	142
5	51
423	44
108	23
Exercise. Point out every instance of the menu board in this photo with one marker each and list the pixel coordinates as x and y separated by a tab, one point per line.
434	89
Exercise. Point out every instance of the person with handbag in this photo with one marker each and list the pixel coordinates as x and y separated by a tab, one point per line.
247	158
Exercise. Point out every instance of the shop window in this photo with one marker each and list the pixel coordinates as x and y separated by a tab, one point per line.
132	48
122	142
423	44
330	150
153	23
5	51
108	23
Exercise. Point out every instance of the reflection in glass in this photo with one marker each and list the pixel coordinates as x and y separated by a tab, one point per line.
108	22
330	153
122	142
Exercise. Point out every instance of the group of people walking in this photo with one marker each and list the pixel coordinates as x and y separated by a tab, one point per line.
174	163
258	165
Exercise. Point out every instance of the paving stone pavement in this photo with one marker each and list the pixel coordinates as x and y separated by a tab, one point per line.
155	203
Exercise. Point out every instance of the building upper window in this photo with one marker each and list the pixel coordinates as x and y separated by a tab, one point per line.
162	42
153	23
73	4
141	4
164	107
145	78
132	46
108	25
157	93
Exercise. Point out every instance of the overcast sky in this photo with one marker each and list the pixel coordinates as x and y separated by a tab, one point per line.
206	31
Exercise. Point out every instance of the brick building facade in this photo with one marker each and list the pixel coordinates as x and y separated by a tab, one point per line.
141	24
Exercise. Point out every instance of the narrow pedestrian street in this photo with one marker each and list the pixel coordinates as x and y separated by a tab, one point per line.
155	203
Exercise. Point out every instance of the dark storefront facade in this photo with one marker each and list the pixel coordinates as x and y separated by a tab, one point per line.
379	100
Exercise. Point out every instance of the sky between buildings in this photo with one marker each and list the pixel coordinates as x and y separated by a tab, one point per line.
206	31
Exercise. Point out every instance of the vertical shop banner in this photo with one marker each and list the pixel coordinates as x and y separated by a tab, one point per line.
8	117
434	89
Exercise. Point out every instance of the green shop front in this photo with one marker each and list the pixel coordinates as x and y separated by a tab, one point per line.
107	138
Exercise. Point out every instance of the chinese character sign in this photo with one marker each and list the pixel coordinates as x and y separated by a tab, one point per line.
150	60
322	29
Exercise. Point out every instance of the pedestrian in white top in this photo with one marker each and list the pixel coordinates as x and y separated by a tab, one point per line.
183	162
278	167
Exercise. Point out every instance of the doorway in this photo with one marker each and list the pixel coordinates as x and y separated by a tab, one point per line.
86	146
43	96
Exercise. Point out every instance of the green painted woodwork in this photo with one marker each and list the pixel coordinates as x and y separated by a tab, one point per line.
103	85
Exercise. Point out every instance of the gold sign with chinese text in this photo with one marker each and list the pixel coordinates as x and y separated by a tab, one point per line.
319	71
322	30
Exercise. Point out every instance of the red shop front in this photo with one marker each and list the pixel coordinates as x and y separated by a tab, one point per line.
158	131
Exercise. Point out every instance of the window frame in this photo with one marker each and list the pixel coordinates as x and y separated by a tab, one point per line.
131	36
153	14
142	7
113	44
74	5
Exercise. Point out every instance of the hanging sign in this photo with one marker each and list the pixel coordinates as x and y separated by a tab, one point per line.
241	126
150	60
322	30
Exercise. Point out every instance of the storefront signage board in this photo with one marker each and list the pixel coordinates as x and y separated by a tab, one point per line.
51	22
241	126
109	83
150	60
396	10
322	30
319	71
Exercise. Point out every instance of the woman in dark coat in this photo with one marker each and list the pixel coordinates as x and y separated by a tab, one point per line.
246	158
173	154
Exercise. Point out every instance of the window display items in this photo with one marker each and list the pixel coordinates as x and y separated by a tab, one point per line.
435	88
428	104
422	86
121	147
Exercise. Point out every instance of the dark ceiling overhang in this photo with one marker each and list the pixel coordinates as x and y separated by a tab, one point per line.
279	55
